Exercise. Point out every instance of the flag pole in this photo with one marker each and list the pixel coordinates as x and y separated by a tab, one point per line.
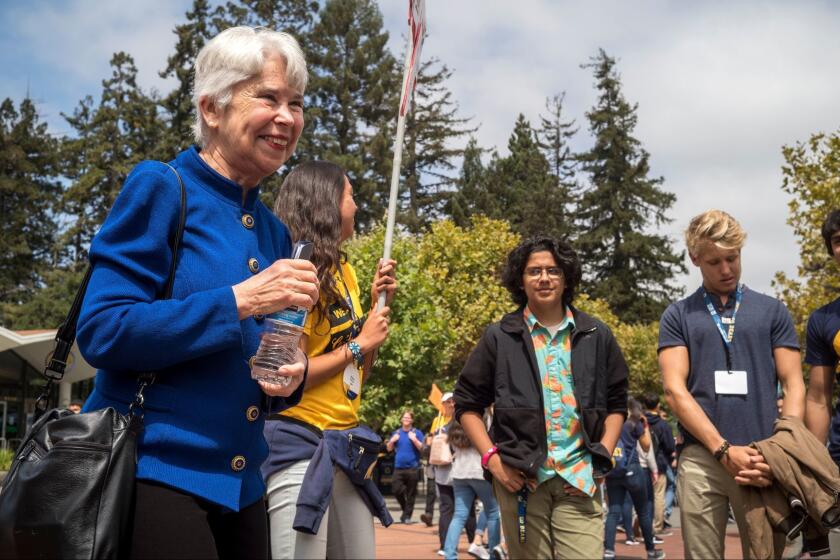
397	164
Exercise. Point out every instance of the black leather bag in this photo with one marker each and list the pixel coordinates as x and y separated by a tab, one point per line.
69	492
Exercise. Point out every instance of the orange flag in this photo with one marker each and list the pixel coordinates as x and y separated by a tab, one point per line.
434	397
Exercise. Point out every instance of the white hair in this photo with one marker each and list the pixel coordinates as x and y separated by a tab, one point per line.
238	54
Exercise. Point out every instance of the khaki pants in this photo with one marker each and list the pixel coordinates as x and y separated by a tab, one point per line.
557	525
659	503
704	490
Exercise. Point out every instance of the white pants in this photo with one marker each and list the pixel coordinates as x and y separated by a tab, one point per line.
345	532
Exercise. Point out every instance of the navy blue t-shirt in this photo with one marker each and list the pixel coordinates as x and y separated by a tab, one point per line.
407	456
822	348
761	325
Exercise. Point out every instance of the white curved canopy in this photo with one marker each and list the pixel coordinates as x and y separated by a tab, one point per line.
36	346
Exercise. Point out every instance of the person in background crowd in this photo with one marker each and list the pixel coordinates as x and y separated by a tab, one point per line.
428	515
408	442
559	384
468	484
670	473
340	340
75	406
440	421
630	478
664	448
822	351
443	480
722	351
199	490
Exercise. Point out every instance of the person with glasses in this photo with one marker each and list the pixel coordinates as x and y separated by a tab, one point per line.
723	351
558	381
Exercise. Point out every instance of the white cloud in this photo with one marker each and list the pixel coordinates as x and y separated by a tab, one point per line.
721	87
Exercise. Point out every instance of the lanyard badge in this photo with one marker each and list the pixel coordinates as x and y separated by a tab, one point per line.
727	333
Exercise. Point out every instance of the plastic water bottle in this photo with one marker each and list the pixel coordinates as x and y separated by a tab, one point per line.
281	334
278	345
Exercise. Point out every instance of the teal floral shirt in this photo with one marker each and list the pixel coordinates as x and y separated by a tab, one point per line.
567	454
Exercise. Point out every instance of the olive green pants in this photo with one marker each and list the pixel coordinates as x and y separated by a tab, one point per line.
705	490
557	525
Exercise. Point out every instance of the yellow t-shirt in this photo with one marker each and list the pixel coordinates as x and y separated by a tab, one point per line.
327	405
439	422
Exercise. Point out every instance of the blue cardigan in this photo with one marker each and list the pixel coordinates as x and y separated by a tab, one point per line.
204	414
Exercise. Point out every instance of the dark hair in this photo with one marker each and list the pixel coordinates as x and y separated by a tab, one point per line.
458	436
564	256
830	226
651	400
308	203
634	409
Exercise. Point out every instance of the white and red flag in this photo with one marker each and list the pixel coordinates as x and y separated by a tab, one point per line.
417	26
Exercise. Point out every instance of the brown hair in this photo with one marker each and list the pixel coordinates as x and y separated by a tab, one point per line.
458	436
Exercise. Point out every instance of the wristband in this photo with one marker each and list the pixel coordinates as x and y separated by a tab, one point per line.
356	350
486	457
722	450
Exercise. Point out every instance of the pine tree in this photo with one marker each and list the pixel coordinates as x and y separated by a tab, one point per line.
625	264
292	16
521	188
29	190
202	24
470	195
352	100
432	130
554	135
111	138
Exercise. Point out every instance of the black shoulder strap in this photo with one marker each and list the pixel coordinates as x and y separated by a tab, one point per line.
66	334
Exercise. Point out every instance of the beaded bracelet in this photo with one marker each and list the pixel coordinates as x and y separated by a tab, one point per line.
722	450
356	350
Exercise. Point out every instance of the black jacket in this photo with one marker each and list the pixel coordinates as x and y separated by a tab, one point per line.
502	369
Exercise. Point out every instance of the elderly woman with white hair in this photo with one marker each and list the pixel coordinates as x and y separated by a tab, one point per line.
199	492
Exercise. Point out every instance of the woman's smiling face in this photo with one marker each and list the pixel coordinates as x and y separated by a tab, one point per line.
257	132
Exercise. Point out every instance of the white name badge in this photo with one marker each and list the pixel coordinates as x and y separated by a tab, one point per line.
730	382
352	381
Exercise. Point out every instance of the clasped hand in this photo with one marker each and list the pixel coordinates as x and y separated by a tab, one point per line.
747	466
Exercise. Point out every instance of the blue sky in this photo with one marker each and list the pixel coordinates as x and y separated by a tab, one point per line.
721	86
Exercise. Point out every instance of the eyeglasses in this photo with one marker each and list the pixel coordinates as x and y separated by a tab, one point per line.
537	272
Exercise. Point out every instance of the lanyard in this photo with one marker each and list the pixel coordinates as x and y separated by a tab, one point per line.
522	503
727	334
349	301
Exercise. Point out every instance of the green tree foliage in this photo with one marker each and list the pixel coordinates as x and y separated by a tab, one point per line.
471	191
448	293
352	100
111	138
48	307
521	188
812	178
203	22
29	191
555	134
292	16
433	128
625	265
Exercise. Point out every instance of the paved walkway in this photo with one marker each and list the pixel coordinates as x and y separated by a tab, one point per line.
401	542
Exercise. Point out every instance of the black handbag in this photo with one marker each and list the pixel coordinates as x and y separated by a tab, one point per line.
69	492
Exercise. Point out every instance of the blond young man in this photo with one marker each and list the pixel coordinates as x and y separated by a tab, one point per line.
723	351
